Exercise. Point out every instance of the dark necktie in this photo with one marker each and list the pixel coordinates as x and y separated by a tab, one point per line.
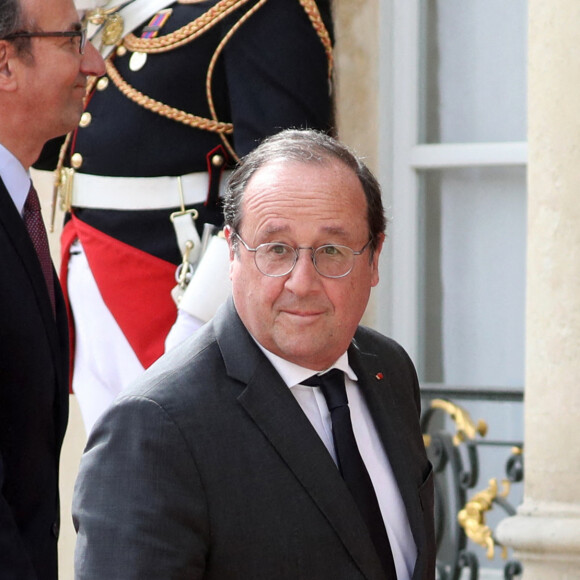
351	465
37	232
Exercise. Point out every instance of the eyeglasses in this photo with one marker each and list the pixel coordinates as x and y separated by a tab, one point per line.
72	34
331	261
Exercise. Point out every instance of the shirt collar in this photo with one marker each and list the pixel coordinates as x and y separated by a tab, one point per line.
15	178
293	374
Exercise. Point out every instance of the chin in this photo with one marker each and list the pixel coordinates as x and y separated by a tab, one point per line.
309	359
71	121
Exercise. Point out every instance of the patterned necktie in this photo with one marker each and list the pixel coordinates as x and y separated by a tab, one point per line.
351	464
37	232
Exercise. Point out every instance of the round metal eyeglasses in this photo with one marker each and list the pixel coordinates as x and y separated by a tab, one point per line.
275	259
81	35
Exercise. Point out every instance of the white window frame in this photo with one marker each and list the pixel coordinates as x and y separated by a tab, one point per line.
403	157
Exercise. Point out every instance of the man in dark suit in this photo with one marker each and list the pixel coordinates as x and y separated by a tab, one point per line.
43	73
223	461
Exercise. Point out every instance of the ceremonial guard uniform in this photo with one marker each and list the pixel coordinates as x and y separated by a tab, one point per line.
194	86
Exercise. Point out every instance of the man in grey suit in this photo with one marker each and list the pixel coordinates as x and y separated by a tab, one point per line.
220	463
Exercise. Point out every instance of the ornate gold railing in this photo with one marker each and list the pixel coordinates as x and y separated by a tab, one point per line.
454	442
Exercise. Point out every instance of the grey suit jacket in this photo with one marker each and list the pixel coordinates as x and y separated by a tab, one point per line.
208	468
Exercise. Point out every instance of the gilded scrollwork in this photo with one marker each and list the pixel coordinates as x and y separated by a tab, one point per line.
472	516
465	427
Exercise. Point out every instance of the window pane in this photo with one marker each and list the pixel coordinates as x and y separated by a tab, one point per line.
473	71
473	224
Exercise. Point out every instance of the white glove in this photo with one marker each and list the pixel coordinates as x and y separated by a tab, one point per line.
208	288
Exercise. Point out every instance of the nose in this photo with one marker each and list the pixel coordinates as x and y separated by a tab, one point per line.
304	278
92	63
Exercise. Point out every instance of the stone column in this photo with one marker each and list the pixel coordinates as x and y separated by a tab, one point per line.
356	86
545	533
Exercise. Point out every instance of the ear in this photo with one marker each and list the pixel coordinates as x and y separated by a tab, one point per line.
228	234
7	60
375	262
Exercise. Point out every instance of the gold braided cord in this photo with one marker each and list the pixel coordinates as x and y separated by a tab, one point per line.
165	110
311	9
61	157
211	68
56	177
186	33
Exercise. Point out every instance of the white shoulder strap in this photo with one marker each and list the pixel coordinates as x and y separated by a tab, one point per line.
132	13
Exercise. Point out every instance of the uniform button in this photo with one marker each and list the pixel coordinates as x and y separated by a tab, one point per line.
86	119
102	83
121	51
76	160
55	529
217	160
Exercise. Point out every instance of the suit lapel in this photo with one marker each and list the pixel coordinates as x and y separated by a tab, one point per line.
56	331
272	407
23	247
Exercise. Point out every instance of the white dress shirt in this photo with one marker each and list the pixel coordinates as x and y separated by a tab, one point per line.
313	403
15	178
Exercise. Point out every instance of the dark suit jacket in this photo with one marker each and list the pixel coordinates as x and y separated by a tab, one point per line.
208	468
33	405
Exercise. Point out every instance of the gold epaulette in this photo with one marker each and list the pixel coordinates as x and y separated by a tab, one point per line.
185	34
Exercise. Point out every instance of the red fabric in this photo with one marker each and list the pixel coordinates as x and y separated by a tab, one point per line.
135	286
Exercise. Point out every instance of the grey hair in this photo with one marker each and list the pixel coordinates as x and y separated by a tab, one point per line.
304	146
10	17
